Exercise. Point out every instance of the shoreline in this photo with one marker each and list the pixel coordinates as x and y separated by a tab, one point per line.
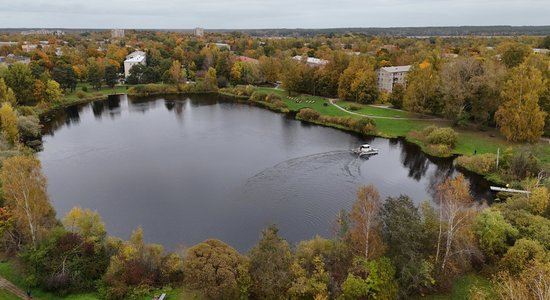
247	100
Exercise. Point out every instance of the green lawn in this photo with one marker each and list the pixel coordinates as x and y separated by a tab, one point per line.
105	90
464	286
5	295
377	111
8	271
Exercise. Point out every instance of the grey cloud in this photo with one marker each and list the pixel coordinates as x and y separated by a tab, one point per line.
270	13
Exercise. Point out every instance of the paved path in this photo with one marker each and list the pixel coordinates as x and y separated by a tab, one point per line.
8	286
332	101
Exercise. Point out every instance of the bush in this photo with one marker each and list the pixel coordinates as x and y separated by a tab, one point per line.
363	125
271	98
428	130
443	136
354	107
85	89
522	164
80	94
26	111
481	164
29	127
256	96
308	114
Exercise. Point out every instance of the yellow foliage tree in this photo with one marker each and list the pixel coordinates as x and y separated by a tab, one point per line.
25	195
520	118
86	223
539	200
8	120
6	93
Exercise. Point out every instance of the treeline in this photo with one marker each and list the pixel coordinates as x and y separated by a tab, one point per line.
472	81
382	249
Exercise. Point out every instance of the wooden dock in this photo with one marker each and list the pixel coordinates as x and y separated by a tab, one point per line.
507	190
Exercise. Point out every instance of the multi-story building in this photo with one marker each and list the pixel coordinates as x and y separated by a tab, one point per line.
389	76
311	61
198	31
134	58
117	33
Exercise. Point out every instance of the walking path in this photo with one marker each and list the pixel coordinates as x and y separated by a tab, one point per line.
332	101
8	286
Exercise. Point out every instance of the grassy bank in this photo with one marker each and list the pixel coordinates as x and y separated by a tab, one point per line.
398	123
9	271
390	122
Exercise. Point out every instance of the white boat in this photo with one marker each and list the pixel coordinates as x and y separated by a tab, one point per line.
365	149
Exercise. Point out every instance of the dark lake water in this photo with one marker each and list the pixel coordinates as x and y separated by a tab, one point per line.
188	169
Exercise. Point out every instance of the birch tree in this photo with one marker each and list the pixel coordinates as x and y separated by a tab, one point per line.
25	195
456	213
365	217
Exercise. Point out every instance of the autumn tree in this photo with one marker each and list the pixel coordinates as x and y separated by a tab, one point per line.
513	54
86	223
6	93
216	270
458	79
365	218
455	243
270	266
8	123
176	73
210	79
24	189
312	284
520	118
422	94
20	79
358	82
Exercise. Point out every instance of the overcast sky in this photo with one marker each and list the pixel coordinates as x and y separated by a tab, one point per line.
242	14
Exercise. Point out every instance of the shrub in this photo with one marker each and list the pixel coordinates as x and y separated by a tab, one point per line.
256	96
443	136
354	107
522	164
308	114
215	269
29	127
26	111
85	89
363	125
80	94
481	164
429	129
272	98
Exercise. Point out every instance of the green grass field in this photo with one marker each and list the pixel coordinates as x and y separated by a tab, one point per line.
5	295
104	91
464	287
469	141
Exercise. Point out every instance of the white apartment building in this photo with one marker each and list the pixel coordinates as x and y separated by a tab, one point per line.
312	61
117	33
198	31
388	76
134	58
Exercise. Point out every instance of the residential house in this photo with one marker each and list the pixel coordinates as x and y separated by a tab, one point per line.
389	76
11	59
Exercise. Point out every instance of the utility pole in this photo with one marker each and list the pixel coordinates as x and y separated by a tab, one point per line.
498	156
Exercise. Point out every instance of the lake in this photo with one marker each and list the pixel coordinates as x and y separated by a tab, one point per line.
191	168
